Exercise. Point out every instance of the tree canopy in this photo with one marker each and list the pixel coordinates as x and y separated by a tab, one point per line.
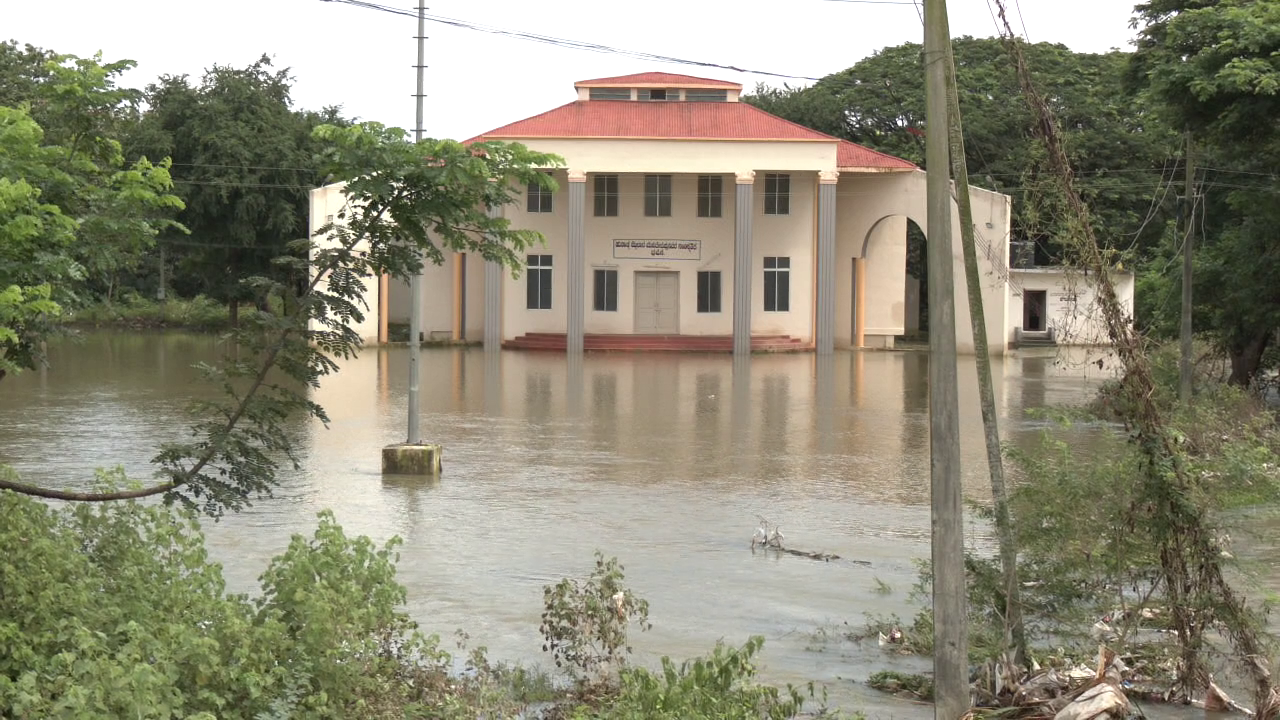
1212	68
1119	150
73	213
243	160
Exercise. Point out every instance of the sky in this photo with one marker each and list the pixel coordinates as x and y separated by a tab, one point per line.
363	59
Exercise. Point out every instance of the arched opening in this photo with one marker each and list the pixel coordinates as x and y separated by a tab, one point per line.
881	294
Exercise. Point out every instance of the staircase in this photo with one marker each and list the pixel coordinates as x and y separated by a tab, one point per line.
1031	339
656	343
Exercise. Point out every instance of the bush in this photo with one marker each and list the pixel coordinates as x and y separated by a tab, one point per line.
114	610
584	623
717	687
111	610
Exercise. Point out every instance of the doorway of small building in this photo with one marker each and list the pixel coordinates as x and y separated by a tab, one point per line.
1033	307
657	303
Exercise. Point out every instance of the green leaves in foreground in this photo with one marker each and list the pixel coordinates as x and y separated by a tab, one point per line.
114	610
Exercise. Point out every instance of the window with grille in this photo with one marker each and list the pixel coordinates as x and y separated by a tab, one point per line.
706	95
606	195
538	279
708	291
777	284
657	195
539	198
710	196
609	93
777	194
606	291
659	94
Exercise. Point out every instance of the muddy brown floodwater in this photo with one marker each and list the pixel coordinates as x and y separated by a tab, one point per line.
666	461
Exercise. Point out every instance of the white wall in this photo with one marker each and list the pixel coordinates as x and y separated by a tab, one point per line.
437	300
554	226
326	202
474	329
716	235
866	199
789	235
1071	303
686	156
886	279
793	235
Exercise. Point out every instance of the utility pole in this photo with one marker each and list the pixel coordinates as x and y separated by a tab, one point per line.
415	283
1188	251
950	632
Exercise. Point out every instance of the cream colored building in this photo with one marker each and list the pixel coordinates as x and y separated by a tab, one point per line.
686	218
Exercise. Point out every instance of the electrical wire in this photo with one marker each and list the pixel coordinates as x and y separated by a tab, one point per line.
566	43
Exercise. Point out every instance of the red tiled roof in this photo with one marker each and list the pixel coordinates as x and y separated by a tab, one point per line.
660	79
682	121
669	120
852	155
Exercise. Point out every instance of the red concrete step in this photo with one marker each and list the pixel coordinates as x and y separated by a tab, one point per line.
655	343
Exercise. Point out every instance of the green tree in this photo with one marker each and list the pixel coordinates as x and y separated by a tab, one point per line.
243	161
1212	67
405	201
1117	147
73	213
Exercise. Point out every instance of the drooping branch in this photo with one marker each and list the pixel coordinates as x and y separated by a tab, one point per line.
1198	591
184	477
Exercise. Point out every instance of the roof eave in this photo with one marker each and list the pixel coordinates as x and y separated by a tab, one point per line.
685	85
877	170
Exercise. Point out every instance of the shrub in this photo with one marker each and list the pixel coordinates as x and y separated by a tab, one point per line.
584	623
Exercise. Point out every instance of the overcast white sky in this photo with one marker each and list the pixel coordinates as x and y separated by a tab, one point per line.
361	59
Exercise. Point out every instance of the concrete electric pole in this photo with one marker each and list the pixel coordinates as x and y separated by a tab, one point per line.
950	657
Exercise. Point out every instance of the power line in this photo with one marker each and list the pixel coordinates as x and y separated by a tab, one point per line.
572	44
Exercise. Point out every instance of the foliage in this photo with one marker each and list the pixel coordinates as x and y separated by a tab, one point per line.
244	160
1212	67
396	193
1118	148
891	681
717	687
1089	551
132	310
115	610
72	211
584	623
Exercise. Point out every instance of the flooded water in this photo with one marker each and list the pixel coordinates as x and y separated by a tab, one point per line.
665	461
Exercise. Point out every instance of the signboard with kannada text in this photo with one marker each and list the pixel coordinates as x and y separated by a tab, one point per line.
657	249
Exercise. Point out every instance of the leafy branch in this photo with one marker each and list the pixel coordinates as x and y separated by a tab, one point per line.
405	203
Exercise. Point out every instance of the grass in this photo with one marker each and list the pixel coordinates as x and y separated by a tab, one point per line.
136	312
896	683
199	313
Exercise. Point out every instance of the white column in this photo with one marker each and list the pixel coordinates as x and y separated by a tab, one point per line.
743	267
576	277
824	333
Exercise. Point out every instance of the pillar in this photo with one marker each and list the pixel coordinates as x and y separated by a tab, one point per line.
859	302
576	276
384	308
742	262
459	297
493	280
825	332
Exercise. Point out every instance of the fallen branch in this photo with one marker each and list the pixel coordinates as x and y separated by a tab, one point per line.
769	537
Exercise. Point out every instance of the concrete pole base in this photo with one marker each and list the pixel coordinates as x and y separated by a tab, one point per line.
406	459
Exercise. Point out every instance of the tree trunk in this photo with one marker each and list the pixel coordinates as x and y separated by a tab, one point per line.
1246	357
233	312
